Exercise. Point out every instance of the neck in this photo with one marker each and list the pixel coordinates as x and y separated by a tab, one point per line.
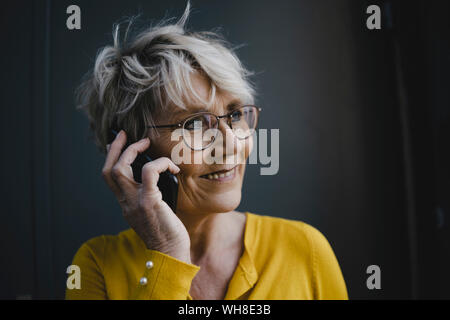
209	234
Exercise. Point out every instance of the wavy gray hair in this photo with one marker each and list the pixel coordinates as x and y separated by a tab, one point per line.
135	80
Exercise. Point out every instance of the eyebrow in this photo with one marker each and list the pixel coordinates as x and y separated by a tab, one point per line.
231	106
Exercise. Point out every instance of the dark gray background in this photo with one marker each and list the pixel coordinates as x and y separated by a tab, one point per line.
364	133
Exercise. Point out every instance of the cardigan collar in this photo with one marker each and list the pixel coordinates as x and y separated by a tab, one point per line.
245	275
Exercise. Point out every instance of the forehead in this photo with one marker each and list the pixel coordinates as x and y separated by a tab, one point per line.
222	103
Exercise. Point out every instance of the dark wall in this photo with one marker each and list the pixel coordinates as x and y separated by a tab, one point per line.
423	34
363	118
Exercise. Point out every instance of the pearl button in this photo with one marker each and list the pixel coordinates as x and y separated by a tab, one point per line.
149	264
143	281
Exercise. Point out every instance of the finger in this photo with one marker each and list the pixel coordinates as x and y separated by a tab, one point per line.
152	170
130	154
113	153
115	149
122	172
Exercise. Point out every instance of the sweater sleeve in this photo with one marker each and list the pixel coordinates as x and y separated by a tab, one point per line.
90	263
328	281
167	279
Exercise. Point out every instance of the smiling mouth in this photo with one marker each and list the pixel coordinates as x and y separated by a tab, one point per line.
222	175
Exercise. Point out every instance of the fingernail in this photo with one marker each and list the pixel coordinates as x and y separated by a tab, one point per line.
108	146
120	134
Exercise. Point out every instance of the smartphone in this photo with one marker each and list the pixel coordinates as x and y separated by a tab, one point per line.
167	182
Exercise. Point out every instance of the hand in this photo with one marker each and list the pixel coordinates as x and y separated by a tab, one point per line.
142	205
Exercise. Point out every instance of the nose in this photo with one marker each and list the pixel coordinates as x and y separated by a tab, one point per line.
227	139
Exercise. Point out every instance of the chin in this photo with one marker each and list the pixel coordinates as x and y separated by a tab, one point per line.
222	202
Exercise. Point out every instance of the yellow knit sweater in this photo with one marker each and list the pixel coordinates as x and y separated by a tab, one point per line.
282	259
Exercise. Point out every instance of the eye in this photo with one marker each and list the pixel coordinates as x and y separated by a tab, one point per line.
202	122
193	124
236	115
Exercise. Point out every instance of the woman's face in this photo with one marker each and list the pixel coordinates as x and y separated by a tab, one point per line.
197	192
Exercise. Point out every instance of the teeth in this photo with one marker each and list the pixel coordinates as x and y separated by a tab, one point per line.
216	176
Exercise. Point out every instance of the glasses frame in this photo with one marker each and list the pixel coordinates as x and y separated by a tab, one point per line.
228	116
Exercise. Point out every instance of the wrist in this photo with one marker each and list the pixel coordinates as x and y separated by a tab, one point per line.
177	252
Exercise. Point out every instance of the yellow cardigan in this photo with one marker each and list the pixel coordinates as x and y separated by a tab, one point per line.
282	259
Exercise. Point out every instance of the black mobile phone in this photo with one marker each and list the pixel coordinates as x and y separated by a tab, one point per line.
167	182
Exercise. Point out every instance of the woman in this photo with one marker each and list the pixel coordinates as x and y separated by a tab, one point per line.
167	79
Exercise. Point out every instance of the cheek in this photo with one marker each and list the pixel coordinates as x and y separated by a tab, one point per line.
191	170
190	162
162	146
247	147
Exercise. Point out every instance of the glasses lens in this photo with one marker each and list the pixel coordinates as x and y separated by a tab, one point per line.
244	120
197	134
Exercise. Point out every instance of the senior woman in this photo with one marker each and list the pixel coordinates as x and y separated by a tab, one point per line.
160	81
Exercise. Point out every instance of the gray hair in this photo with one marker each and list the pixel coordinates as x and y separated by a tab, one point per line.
134	80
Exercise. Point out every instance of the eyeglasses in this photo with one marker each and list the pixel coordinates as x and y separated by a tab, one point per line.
242	121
